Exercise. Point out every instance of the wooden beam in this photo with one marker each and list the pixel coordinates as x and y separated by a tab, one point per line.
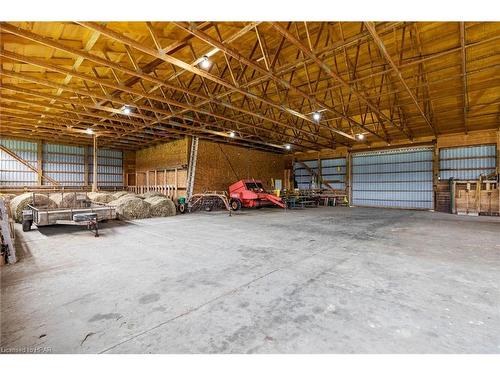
371	28
464	76
192	69
236	55
95	186
311	55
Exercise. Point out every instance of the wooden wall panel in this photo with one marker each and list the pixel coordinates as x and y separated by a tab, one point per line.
220	165
164	155
129	167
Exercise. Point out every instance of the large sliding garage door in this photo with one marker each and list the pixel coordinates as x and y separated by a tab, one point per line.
393	178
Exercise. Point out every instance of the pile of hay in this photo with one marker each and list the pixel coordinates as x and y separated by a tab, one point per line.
150	194
19	203
100	197
129	207
66	200
119	194
161	206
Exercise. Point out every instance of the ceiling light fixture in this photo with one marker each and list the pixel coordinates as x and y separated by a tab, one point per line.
360	136
232	134
288	147
89	131
316	116
126	110
205	62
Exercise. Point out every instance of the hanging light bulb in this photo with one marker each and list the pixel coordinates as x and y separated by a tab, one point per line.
232	134
205	62
316	116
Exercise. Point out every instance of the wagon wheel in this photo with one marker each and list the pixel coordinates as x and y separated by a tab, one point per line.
235	204
27	225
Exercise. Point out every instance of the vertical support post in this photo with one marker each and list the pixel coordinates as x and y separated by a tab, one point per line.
39	162
175	182
94	180
85	166
498	154
435	173
348	177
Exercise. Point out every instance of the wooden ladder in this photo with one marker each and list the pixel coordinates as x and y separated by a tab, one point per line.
192	167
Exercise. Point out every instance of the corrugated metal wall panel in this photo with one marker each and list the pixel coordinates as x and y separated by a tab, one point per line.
467	163
65	164
393	178
109	167
334	170
303	176
331	170
14	173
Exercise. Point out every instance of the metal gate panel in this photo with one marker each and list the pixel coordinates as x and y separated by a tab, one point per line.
393	178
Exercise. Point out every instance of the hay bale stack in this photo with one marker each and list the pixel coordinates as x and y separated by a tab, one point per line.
19	203
119	194
65	200
100	197
129	207
161	206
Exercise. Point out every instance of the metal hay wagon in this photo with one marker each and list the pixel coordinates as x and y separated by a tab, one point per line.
84	212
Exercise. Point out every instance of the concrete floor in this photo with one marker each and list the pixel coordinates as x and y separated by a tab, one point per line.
326	280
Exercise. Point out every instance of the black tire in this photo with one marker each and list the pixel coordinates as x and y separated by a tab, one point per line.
235	204
182	208
26	225
208	208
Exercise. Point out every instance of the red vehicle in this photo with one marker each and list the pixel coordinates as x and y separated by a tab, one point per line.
251	193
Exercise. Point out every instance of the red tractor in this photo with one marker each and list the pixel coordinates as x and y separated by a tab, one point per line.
251	193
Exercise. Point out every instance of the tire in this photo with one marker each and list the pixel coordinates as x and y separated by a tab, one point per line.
208	208
235	204
182	208
26	225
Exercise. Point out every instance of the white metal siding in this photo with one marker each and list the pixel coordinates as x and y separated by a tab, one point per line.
65	164
331	170
467	163
14	173
393	178
109	167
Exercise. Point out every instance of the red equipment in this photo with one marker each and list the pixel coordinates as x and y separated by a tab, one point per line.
251	193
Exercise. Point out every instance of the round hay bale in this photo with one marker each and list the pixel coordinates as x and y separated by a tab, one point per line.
19	203
130	207
66	200
161	206
119	194
150	194
100	197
